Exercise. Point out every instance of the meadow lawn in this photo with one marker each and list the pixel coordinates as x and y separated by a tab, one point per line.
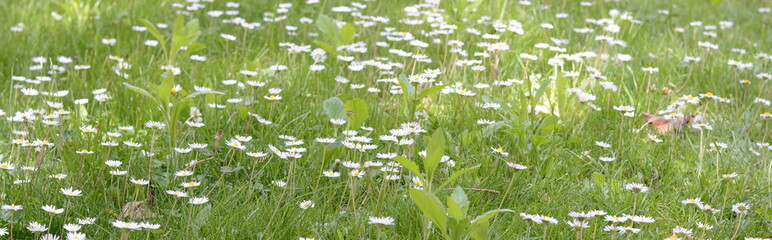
381	119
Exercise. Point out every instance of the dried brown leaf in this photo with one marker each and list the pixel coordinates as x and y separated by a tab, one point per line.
665	125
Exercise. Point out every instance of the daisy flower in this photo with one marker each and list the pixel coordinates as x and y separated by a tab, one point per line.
52	209
740	208
198	200
516	166
381	220
602	144
636	187
500	150
307	204
70	192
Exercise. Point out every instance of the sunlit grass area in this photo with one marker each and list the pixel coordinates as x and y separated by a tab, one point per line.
454	119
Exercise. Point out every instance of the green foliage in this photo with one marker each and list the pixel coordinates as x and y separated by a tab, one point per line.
77	12
454	222
171	105
564	171
332	35
599	180
434	152
334	108
411	99
458	226
461	8
357	112
184	38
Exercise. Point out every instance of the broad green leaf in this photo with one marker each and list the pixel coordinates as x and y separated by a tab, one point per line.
459	197
483	218
550	120
192	31
548	124
430	91
539	140
406	86
457	227
517	131
473	6
139	90
334	108
458	174
598	179
194	94
327	47
176	41
328	27
431	207
410	165
455	210
154	31
357	112
434	152
542	89
179	25
243	112
480	230
194	47
489	214
184	34
164	91
408	92
347	33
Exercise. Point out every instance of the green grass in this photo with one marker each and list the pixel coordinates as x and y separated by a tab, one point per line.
564	174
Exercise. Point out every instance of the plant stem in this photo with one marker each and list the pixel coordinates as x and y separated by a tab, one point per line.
737	229
125	234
